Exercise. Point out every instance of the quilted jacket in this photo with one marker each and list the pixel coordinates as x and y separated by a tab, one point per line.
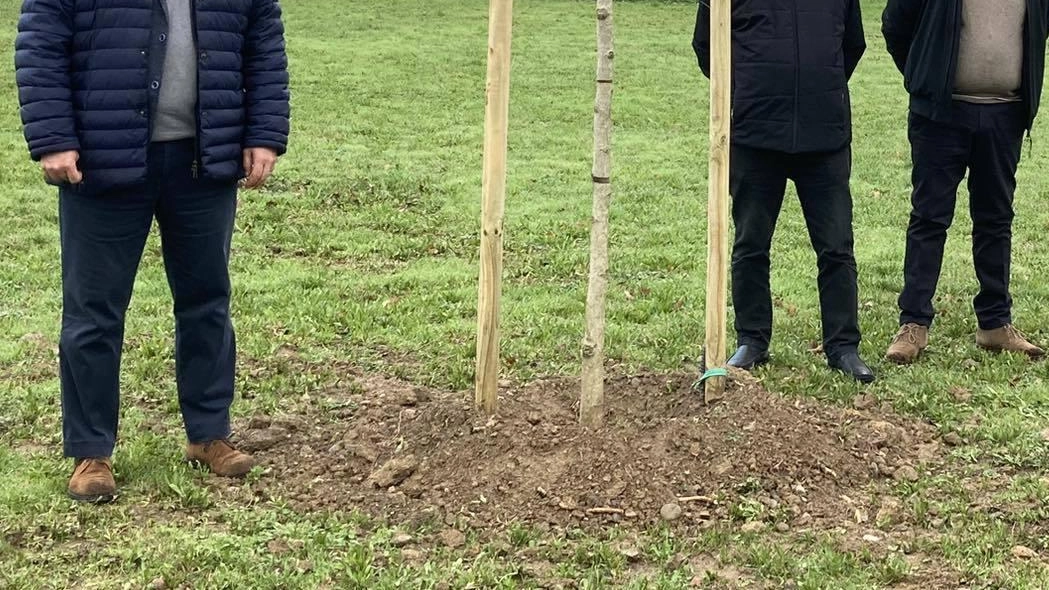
791	64
89	74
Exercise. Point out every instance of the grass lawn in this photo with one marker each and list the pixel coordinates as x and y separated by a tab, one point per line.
363	249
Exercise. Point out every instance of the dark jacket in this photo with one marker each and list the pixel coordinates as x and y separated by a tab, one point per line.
923	37
89	71
791	63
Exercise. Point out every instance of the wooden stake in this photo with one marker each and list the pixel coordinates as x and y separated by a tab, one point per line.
718	180
493	189
592	403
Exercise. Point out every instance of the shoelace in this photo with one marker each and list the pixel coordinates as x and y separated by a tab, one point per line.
909	332
1016	333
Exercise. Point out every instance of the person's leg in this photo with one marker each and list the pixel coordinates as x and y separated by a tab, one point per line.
758	181
102	239
940	155
196	220
823	188
992	184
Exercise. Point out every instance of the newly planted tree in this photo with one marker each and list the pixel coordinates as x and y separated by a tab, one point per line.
592	404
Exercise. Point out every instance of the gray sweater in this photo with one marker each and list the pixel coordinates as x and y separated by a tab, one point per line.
176	116
990	52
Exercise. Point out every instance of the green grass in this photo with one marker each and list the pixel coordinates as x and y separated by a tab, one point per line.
364	248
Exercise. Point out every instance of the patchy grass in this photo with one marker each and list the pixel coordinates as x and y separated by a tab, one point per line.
364	249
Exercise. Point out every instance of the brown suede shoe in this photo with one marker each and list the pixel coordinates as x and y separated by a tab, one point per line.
908	345
1007	339
93	481
221	457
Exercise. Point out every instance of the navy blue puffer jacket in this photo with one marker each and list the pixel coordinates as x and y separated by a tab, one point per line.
88	74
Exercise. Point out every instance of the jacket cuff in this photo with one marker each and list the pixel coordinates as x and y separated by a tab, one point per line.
279	147
38	152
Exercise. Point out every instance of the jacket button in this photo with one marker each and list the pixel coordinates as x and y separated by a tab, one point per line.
203	55
155	85
163	37
142	113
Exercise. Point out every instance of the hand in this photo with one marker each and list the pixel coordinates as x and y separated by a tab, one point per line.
61	168
258	166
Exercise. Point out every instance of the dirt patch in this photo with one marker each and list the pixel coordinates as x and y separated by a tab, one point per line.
414	455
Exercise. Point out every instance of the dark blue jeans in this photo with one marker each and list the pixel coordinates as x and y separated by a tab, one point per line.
985	140
103	237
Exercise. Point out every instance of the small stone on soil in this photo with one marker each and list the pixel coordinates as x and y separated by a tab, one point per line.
782	527
158	584
277	547
961	394
864	402
630	552
264	440
872	538
953	439
394	472
1021	552
754	526
259	423
411	555
676	561
906	473
670	512
452	538
401	539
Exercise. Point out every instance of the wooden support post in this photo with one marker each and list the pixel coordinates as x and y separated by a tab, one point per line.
718	181
493	189
592	403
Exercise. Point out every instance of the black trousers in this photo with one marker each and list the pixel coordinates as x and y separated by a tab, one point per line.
102	239
759	180
986	140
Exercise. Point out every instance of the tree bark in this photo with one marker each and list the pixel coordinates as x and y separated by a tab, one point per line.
592	403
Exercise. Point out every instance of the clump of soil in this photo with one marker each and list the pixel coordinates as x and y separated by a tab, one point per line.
410	454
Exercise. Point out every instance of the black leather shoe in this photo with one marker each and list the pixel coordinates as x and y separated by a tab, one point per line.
748	357
851	364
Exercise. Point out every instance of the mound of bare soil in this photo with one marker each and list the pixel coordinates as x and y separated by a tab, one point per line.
410	454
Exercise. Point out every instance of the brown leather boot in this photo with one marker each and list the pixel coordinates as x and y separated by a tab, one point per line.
908	345
93	481
221	457
1007	339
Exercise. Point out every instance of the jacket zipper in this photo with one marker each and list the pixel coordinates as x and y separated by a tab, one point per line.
949	74
797	73
195	167
1028	90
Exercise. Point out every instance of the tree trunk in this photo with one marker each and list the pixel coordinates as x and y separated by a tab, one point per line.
717	206
592	404
493	197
